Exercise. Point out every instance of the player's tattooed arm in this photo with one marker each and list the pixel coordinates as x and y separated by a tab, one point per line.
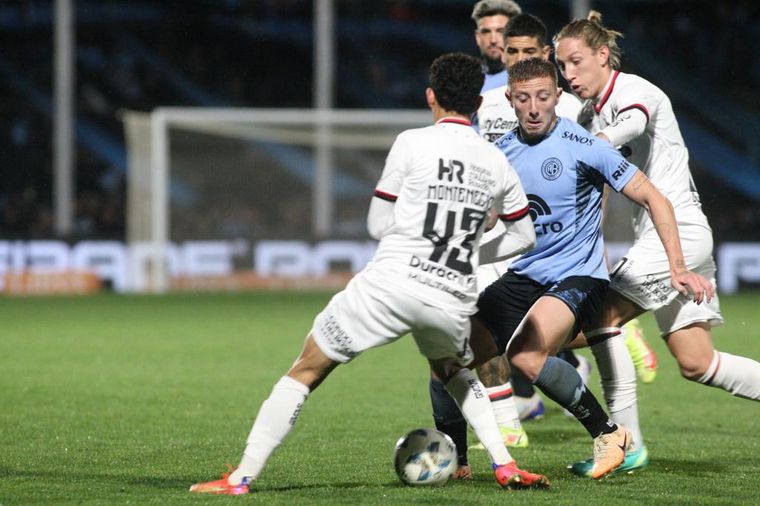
639	180
641	191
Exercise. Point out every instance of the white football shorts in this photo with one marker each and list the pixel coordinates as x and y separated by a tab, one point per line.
368	314
643	276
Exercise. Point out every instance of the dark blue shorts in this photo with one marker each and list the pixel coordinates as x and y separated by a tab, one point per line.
503	304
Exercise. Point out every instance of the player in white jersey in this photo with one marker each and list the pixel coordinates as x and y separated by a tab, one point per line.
437	187
637	117
491	16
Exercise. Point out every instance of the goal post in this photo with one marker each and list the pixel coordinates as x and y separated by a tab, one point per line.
245	175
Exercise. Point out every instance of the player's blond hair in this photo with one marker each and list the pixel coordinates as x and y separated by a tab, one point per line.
594	34
486	8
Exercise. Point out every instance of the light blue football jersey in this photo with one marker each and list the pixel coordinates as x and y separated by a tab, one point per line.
563	176
492	81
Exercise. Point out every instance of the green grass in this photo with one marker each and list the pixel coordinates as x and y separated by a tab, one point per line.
116	399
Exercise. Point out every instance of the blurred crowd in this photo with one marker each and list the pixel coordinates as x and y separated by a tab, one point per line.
243	53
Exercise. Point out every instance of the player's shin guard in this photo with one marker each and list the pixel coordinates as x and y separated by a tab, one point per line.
738	375
470	395
562	384
276	417
448	418
618	376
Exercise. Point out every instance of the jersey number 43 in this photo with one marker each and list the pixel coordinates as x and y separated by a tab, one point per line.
469	221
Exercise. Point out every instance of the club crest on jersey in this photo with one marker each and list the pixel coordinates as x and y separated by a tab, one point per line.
551	169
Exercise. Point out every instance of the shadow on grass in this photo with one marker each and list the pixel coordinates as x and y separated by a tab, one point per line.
117	479
177	482
690	467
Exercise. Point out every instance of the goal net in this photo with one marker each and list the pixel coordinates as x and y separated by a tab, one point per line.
235	195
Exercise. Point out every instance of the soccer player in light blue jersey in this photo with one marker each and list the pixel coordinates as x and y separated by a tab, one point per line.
491	18
554	291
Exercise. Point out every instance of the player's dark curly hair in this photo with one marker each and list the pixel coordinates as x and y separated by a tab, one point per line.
526	25
456	80
532	68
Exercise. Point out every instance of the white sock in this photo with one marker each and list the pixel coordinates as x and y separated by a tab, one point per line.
738	375
618	376
470	395
503	406
276	417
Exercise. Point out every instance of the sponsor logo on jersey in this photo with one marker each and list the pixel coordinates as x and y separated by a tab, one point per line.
448	171
551	169
622	168
580	139
440	271
437	285
501	126
538	209
480	178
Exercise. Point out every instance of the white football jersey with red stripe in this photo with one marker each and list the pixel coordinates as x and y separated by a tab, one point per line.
659	152
444	179
496	115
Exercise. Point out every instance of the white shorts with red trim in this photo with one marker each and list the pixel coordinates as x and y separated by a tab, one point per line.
368	314
643	277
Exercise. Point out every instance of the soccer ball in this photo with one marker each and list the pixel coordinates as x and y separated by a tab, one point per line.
425	457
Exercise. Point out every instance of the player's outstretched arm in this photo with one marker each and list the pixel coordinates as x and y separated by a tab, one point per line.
641	191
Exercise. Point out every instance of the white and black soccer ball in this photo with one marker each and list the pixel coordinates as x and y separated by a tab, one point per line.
425	457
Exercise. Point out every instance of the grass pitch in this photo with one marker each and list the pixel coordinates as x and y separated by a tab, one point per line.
116	399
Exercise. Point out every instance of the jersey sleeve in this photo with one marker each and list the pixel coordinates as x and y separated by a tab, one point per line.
514	204
634	96
628	125
396	166
608	161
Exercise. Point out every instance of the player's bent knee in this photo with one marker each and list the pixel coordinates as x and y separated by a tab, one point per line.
692	372
444	368
529	364
693	368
